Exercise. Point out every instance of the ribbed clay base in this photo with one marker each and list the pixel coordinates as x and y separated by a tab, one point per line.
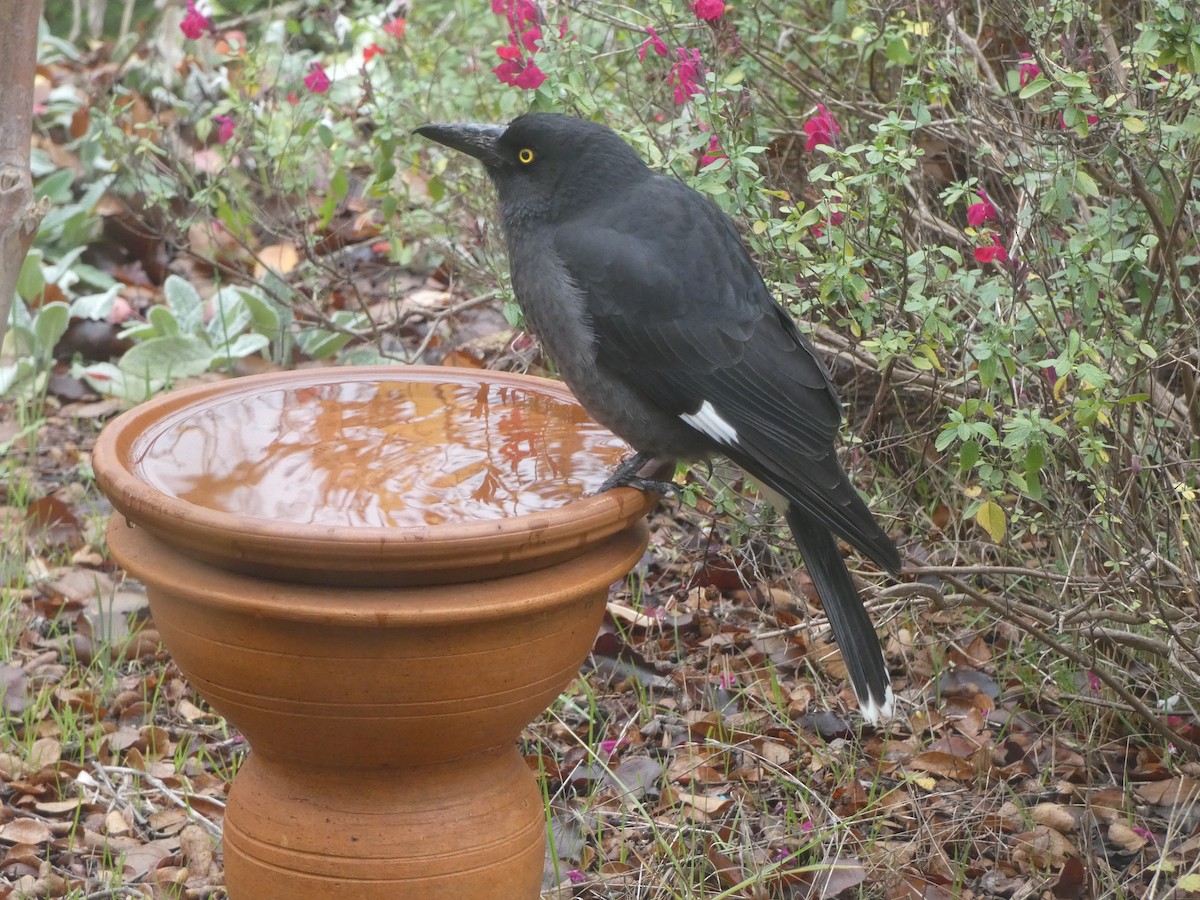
471	828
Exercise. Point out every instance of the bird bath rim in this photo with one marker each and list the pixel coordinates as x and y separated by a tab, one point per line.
360	555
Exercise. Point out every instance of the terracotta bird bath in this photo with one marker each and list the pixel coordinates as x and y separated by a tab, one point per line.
380	576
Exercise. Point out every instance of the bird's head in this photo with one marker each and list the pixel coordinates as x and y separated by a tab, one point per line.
544	164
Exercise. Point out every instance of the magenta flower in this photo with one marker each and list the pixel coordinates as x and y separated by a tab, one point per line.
685	73
576	877
713	153
316	80
654	42
530	38
1028	70
820	129
195	23
994	253
225	126
530	77
709	10
978	213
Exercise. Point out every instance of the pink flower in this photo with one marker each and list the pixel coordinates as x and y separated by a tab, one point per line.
611	746
709	10
820	129
225	126
562	29
1028	71
994	253
371	52
978	213
684	74
316	80
195	23
530	77
1094	681
834	219
517	12
654	42
508	51
531	37
576	877
713	153
395	28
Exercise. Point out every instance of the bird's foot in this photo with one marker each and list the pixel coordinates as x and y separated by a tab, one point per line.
627	474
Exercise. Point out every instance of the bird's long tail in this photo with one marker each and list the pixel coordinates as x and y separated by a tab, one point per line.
852	626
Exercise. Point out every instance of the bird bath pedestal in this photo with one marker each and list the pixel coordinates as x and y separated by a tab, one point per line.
380	576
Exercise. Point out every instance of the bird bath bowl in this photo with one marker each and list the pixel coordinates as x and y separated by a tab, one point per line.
380	576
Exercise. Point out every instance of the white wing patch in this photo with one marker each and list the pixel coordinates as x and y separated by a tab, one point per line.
709	421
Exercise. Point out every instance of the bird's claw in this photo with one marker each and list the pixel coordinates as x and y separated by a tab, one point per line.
626	475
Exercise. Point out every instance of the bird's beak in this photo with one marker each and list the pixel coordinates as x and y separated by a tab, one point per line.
478	141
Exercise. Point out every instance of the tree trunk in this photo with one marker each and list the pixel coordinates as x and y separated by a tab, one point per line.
19	214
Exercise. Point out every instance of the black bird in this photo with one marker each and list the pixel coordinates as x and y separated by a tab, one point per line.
644	295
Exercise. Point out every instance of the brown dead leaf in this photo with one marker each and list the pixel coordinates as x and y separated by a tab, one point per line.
44	752
1072	880
196	848
1041	849
709	804
944	765
1173	792
1056	816
1125	838
25	831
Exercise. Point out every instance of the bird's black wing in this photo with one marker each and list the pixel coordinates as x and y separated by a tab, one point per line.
680	314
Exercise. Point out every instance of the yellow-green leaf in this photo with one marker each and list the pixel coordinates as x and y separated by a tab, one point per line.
992	519
1134	125
1189	883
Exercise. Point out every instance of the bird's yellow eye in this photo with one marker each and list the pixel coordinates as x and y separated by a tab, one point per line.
525	155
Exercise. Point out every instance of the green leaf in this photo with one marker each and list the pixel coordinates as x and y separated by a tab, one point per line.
168	357
184	301
163	322
993	520
230	316
31	282
968	455
1034	87
1134	125
49	326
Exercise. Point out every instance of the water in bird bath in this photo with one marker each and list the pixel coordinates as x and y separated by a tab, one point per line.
379	453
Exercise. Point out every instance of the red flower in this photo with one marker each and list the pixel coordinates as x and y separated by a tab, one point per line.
195	23
225	126
684	74
395	28
530	77
978	213
834	218
1028	71
994	253
530	38
654	42
371	52
709	10
713	153
508	51
820	129
316	80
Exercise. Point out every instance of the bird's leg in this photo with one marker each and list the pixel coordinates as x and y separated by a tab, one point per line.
626	475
